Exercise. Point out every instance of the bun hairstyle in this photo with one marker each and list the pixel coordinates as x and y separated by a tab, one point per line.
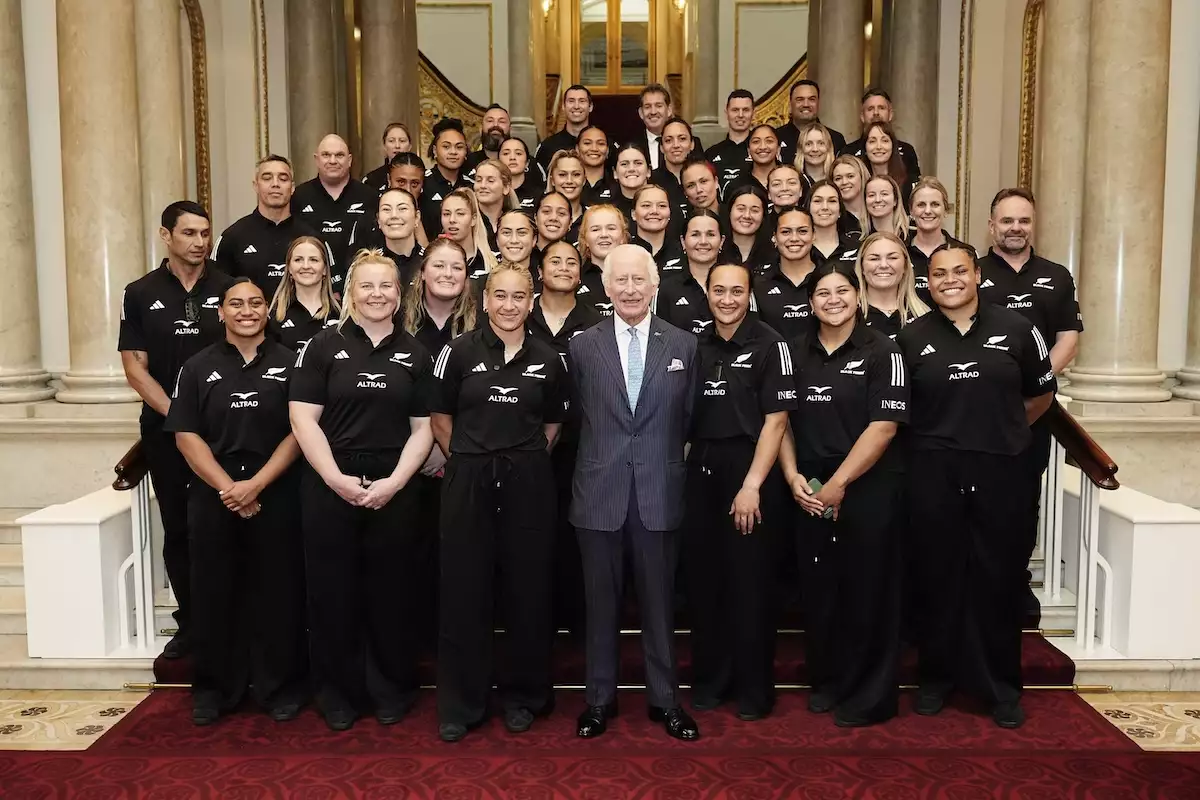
361	259
443	125
285	293
462	317
505	267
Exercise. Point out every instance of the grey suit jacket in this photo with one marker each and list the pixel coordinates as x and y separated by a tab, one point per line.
615	442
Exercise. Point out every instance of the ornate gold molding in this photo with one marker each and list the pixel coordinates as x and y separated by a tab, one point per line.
774	107
440	98
262	126
1029	77
195	18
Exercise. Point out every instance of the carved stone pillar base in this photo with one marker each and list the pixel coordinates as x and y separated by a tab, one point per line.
1129	386
96	389
25	387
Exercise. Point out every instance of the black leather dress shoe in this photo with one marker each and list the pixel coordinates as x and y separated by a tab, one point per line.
285	712
340	718
391	713
929	701
452	731
1008	715
821	702
752	713
205	715
706	702
594	720
180	646
676	722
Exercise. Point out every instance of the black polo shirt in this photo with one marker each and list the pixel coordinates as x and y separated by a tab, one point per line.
239	408
788	134
582	317
683	302
882	322
732	159
155	319
744	379
680	207
528	194
561	140
1042	291
670	258
908	155
368	393
591	289
846	252
256	247
746	178
298	326
840	393
920	265
409	265
336	221
782	304
434	190
599	192
378	178
762	254
435	338
498	406
968	390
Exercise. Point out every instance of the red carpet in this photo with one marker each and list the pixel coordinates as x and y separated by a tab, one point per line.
1066	750
1042	663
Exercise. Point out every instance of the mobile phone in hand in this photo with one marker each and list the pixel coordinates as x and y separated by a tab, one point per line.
816	486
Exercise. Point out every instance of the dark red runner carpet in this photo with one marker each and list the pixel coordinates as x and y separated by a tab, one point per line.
1066	750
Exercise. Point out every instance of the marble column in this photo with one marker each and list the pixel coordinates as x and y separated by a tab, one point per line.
390	82
814	39
840	66
22	378
914	75
1189	376
1061	130
520	72
706	114
1129	46
160	115
102	189
310	81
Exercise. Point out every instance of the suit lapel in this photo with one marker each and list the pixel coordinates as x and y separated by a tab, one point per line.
656	355
611	356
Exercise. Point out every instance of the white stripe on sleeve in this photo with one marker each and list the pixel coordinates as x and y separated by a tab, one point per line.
439	366
1043	351
300	356
785	359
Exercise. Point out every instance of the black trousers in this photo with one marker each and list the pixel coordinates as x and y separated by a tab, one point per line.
569	604
247	595
429	514
968	512
729	575
655	555
364	579
170	476
1037	459
851	577
497	544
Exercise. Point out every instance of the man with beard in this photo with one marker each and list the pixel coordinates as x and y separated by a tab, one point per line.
256	245
1013	276
805	102
877	107
577	105
495	128
334	204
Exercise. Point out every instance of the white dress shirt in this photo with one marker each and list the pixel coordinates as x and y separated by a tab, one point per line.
623	338
652	140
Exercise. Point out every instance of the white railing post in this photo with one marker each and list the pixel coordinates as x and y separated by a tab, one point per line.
1051	521
143	565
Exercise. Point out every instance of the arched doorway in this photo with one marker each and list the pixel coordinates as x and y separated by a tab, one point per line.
615	58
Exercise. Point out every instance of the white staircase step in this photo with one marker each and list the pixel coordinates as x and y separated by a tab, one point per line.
12	571
12	610
18	671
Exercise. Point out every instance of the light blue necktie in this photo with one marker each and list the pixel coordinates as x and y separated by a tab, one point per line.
635	369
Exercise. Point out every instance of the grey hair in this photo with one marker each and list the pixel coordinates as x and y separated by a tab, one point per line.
648	262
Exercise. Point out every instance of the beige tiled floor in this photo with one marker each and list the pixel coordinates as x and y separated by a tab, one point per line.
60	720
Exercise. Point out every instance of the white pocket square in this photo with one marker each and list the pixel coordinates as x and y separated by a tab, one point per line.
675	366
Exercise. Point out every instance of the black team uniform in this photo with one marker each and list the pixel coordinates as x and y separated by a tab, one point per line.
256	248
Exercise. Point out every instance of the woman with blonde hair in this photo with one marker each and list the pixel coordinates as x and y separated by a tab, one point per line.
567	177
889	298
602	229
303	303
850	176
358	404
463	223
493	194
814	153
929	205
882	196
438	307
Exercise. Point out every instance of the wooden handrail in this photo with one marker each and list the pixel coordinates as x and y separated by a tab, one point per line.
131	469
1082	450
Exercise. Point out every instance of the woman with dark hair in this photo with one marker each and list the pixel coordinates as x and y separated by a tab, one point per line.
592	147
528	182
515	239
395	233
630	175
652	229
847	482
700	187
744	216
981	375
229	414
359	410
681	298
449	153
493	531
676	144
735	499
782	288
883	158
304	302
396	140
829	243
785	187
553	219
763	146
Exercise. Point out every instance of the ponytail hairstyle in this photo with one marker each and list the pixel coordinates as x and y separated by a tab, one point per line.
362	258
909	303
462	317
285	293
508	266
478	233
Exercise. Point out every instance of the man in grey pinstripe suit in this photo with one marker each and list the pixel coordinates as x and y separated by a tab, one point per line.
635	378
